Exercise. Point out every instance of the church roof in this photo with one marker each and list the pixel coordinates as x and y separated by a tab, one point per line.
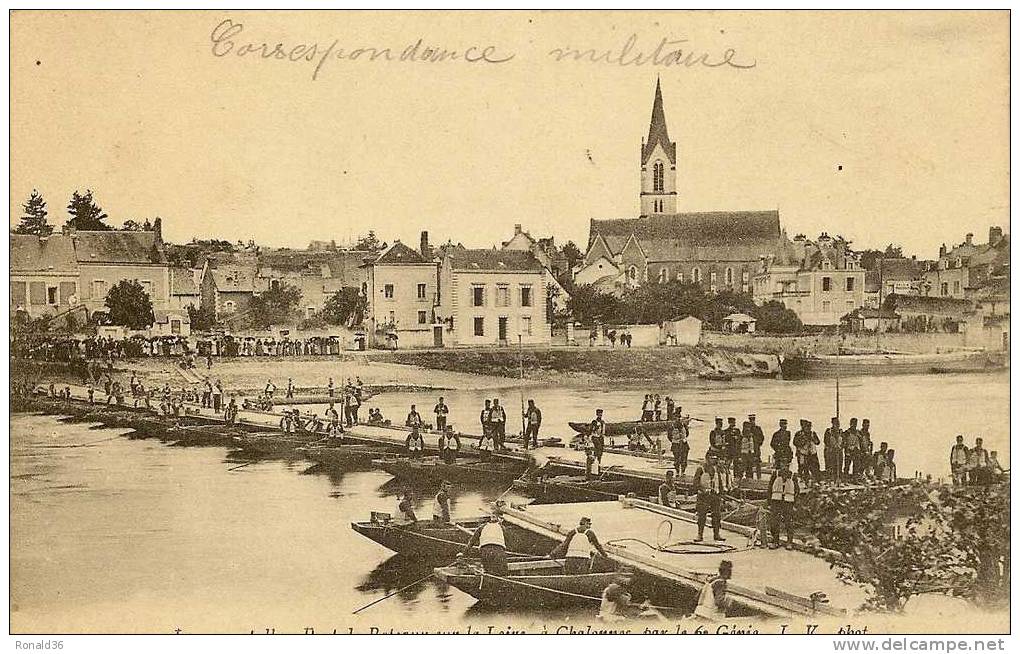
670	234
657	132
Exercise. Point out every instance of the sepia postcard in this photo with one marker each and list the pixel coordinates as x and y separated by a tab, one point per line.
511	322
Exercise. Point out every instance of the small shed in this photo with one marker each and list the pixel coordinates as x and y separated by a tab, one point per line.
686	331
739	323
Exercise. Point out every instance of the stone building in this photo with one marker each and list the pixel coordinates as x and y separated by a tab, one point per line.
402	291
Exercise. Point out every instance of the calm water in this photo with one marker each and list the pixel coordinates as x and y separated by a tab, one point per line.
136	535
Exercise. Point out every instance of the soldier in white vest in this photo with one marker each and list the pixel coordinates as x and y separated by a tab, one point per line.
710	482
713	601
783	492
491	543
578	549
449	447
441	504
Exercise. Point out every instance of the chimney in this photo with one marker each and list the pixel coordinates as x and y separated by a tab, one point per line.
517	228
994	235
157	227
425	250
970	239
942	251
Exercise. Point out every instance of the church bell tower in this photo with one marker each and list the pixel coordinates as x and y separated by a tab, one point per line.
658	164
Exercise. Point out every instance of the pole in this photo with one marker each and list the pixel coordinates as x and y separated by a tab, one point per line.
839	351
385	597
520	352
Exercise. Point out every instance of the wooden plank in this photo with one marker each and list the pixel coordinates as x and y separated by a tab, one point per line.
804	601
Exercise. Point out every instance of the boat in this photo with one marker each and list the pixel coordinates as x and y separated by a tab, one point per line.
561	489
432	469
941	370
440	542
628	427
812	366
715	375
199	435
343	454
530	584
275	443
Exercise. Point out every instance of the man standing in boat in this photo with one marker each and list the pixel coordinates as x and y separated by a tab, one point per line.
709	483
533	416
498	419
491	542
959	455
597	433
441	411
483	418
578	549
783	493
833	441
751	440
717	439
441	504
732	439
867	448
449	446
647	409
678	433
852	450
713	601
806	442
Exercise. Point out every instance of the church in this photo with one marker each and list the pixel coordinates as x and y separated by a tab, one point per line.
717	249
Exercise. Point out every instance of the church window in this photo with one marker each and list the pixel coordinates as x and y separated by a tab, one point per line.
729	277
632	272
712	276
663	275
679	276
696	275
658	177
745	275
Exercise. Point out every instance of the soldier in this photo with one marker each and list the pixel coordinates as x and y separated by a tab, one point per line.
806	442
780	444
833	442
732	461
751	440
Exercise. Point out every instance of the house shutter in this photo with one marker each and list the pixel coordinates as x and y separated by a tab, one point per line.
18	293
67	289
37	292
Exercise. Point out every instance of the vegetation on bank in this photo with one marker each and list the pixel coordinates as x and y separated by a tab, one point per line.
903	541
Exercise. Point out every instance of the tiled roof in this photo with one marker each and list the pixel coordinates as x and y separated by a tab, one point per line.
29	253
657	132
238	279
494	260
898	269
701	228
398	253
182	282
118	247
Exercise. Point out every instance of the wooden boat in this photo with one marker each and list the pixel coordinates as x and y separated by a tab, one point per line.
440	542
715	375
625	428
432	469
942	370
562	489
811	366
530	584
343	454
275	443
201	435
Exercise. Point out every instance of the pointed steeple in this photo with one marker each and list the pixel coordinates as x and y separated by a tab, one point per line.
657	132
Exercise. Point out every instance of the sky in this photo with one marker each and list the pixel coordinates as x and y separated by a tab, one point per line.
886	127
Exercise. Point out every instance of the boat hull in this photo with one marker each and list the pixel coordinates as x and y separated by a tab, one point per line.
570	489
625	428
532	590
851	365
435	542
430	470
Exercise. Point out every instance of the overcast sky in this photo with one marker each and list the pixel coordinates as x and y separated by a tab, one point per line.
138	107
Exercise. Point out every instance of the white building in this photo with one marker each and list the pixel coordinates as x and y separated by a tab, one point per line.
402	290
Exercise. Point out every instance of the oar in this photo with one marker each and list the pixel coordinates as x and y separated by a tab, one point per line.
399	590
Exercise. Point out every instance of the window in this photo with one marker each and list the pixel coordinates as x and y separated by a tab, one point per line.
712	276
526	325
729	277
525	296
393	318
502	295
696	275
421	291
388	291
712	288
956	287
175	326
309	312
19	293
945	288
479	326
99	288
679	276
745	276
632	272
478	296
274	284
826	305
147	287
422	317
849	284
51	295
663	275
850	304
67	291
826	284
745	287
229	306
658	177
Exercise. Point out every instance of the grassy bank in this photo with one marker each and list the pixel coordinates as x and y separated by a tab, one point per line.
584	365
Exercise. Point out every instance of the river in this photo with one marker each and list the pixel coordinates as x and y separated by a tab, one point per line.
112	534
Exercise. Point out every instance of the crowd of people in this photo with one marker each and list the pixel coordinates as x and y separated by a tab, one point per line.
974	466
228	345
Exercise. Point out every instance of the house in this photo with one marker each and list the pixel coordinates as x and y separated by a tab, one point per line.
717	249
109	257
402	292
44	274
493	297
867	319
318	274
966	268
932	313
552	260
892	276
170	323
821	281
227	289
184	289
739	323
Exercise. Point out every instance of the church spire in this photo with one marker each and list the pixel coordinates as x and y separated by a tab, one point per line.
657	132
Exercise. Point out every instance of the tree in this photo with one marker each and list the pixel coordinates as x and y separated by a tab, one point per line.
370	242
345	307
34	219
275	306
572	253
869	258
201	319
587	305
86	215
774	318
135	226
129	305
